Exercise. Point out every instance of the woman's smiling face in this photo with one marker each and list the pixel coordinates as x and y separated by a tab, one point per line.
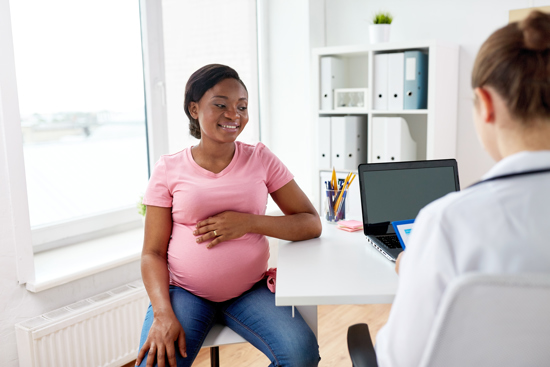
222	111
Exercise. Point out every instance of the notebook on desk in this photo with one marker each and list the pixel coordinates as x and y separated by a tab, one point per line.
397	191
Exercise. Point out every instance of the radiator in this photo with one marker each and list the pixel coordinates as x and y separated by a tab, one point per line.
99	331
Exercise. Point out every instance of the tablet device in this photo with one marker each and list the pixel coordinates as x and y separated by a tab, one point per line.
403	230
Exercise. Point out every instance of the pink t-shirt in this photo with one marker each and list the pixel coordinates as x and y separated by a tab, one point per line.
194	194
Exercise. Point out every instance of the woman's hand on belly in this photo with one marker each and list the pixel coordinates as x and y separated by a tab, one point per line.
223	227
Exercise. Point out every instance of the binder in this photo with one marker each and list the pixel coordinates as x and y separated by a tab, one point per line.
396	64
391	140
332	77
349	142
416	80
338	141
399	144
380	82
324	143
378	140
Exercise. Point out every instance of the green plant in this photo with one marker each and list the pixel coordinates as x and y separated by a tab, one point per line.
141	207
382	18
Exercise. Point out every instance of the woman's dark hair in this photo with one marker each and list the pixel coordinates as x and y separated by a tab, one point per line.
515	61
201	81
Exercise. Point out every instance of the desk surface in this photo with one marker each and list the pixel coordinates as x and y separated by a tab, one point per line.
337	268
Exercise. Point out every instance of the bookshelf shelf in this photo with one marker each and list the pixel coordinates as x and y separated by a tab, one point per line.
433	128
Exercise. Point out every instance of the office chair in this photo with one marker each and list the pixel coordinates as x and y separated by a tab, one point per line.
222	335
483	320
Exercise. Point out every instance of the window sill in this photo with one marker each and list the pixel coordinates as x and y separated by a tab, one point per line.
63	265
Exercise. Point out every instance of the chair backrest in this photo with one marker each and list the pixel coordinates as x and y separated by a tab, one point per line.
492	320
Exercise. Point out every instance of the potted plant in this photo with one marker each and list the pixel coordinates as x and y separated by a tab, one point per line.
379	31
141	208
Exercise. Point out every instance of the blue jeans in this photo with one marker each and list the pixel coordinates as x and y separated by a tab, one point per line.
285	340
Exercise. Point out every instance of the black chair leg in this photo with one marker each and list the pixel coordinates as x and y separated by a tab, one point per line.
361	349
215	356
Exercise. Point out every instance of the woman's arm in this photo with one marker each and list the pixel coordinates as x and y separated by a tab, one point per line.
300	222
166	328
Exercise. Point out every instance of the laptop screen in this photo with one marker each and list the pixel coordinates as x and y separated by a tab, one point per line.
397	191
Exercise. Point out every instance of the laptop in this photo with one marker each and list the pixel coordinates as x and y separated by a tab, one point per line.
397	191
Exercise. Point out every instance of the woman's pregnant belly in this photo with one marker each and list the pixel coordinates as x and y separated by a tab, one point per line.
220	273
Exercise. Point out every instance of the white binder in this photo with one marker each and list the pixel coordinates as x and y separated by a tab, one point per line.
380	82
338	141
332	77
396	66
349	142
324	143
378	140
391	140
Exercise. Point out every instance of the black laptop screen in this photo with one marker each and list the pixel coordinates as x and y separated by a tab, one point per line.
399	194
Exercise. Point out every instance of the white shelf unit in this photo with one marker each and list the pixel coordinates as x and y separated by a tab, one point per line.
433	129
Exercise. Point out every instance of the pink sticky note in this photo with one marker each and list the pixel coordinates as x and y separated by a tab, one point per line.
352	224
347	229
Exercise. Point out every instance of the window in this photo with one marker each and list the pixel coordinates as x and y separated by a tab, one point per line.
81	97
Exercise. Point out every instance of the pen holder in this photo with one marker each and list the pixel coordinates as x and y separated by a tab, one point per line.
334	208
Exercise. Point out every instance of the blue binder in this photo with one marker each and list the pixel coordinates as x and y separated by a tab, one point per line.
415	93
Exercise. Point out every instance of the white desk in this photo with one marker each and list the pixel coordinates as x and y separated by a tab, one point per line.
337	268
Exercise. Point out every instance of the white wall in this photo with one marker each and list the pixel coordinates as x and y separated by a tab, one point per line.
464	22
292	28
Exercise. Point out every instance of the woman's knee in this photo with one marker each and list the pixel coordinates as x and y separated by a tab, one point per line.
301	352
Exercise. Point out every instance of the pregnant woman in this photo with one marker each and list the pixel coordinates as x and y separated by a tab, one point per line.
205	250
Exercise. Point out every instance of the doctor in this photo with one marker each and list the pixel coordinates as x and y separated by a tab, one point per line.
499	225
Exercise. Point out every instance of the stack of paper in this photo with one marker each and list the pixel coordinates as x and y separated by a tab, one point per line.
350	225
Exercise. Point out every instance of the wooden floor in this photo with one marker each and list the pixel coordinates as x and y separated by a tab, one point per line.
333	327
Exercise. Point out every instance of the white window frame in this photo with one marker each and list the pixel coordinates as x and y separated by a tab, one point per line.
11	141
12	159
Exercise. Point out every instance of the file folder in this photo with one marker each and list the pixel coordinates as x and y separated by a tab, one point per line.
380	82
324	143
416	80
396	64
391	140
338	136
378	140
399	144
349	142
332	77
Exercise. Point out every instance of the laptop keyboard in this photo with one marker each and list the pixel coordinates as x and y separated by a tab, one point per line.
390	240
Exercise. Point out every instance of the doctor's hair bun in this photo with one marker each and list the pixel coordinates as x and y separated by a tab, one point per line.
515	62
536	31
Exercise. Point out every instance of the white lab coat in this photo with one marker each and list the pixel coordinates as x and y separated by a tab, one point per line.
496	227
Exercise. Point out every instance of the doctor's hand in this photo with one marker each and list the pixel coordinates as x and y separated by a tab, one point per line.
397	261
165	331
222	227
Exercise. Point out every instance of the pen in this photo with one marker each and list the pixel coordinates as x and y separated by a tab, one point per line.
349	180
328	202
338	214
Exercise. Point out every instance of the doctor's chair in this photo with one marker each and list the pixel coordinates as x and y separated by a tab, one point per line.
483	320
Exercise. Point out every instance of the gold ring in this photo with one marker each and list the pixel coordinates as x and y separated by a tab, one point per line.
215	234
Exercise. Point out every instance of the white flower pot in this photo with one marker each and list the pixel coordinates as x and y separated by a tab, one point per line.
379	33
